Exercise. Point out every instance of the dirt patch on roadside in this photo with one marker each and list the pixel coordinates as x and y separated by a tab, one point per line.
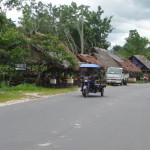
30	96
33	96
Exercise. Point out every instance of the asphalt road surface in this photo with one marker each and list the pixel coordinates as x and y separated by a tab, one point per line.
118	121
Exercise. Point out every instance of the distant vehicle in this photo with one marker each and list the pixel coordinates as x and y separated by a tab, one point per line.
91	79
116	76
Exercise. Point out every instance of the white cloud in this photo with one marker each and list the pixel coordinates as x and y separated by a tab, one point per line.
14	15
128	15
142	3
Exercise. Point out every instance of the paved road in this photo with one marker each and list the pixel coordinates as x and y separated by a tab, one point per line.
118	121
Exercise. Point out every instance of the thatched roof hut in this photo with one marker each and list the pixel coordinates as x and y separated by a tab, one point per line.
85	58
104	57
129	66
39	56
141	62
126	64
109	59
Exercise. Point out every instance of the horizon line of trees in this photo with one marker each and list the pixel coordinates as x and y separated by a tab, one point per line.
134	45
77	27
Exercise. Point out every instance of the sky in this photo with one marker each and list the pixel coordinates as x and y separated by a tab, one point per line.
127	15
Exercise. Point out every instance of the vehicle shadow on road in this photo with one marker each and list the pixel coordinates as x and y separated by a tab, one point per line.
92	96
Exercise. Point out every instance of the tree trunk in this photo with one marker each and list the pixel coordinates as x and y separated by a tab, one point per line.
81	34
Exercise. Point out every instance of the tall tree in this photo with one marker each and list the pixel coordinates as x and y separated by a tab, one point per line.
76	26
13	47
87	28
98	29
16	48
17	4
116	48
69	26
135	45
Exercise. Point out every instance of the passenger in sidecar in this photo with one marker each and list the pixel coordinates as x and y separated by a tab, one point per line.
92	82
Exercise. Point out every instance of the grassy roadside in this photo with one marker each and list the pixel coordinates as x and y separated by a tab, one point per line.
142	82
27	91
30	91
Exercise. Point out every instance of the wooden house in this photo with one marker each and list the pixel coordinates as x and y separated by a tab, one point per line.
102	56
109	59
141	62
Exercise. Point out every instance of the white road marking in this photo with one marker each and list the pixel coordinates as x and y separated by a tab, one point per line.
44	144
77	125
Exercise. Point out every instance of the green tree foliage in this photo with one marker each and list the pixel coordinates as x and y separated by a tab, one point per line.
81	26
135	45
76	26
43	28
53	51
71	26
5	23
12	42
98	29
116	48
11	4
17	48
37	18
12	47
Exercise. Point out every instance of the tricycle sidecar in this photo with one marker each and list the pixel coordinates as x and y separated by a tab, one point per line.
91	79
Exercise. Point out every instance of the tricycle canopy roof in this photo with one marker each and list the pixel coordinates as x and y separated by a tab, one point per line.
94	66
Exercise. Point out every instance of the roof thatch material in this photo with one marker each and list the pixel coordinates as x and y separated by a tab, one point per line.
143	60
66	64
38	55
104	57
109	59
85	58
128	66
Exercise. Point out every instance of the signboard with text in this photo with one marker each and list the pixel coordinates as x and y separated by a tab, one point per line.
20	67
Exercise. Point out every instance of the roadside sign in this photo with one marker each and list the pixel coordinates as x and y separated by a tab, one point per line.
20	67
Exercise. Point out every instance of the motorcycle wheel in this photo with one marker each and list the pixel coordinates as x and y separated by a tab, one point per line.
102	92
85	92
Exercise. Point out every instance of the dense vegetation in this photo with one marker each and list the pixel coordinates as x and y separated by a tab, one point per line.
46	32
17	48
134	45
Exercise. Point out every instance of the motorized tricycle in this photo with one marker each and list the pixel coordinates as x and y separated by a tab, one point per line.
91	80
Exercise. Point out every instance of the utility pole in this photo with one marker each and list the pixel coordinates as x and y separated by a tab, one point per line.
82	35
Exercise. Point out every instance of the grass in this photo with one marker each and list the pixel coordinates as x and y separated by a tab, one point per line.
23	91
141	81
4	97
22	87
